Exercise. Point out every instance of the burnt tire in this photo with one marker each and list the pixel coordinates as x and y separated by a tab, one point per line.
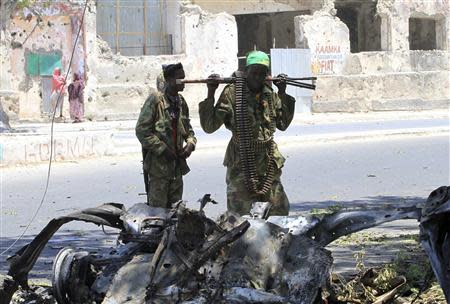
72	276
61	275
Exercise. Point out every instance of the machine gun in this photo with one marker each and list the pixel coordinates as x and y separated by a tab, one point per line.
293	81
246	142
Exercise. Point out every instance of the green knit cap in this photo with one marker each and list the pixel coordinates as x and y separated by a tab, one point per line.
258	57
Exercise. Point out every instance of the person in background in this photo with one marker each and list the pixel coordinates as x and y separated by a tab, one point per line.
57	97
76	98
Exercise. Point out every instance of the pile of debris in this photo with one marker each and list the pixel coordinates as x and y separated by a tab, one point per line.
182	256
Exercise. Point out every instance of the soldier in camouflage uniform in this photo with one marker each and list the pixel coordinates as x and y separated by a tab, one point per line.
162	128
264	105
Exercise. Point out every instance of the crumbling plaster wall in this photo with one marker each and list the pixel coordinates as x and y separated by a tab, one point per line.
118	85
395	16
328	39
8	97
393	79
5	42
54	33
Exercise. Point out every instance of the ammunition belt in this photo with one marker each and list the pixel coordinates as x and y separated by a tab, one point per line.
258	146
247	146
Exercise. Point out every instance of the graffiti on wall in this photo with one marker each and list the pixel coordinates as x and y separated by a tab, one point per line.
64	149
326	59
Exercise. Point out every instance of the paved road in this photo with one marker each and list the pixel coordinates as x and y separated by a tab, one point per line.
315	176
306	131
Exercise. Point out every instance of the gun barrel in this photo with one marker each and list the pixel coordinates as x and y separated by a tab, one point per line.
301	85
270	78
207	80
289	81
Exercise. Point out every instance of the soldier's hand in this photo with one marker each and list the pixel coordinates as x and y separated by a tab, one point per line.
169	154
212	85
187	150
281	84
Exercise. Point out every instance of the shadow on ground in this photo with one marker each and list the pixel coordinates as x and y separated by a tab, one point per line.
369	202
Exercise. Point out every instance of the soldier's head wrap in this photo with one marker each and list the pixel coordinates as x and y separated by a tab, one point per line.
170	70
258	57
160	81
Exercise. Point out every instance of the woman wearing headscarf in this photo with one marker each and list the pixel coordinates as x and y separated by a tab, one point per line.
76	98
57	97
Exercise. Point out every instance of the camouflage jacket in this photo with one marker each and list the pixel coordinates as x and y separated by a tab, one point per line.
154	131
213	116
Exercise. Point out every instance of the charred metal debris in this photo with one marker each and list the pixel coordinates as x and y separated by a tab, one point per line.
182	256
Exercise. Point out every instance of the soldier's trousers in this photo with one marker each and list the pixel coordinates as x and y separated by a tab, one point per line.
240	200
163	192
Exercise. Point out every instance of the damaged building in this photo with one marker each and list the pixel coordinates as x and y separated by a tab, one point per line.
368	55
119	58
38	45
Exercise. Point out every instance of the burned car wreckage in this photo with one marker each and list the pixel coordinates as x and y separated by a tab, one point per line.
182	256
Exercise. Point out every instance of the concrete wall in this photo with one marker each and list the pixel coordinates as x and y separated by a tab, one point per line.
381	81
6	104
8	97
393	79
35	148
328	39
234	7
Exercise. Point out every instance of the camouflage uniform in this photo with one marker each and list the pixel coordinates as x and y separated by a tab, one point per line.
154	131
239	199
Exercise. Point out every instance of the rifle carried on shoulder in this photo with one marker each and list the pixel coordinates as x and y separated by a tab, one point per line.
293	81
